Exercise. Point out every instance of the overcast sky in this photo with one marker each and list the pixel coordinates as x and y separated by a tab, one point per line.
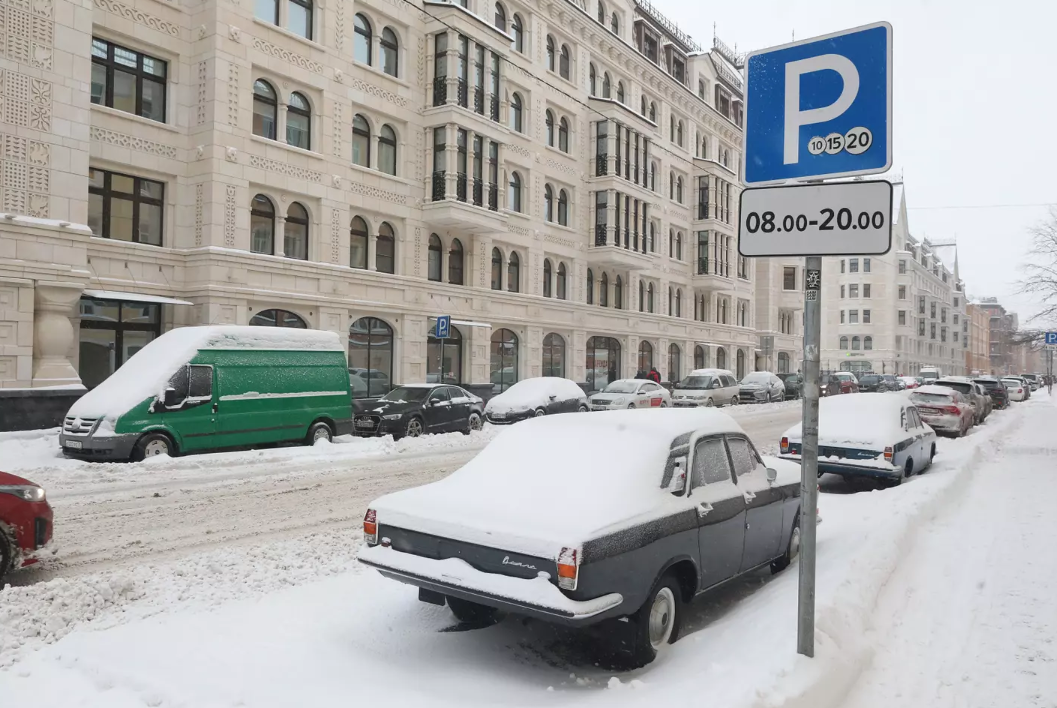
975	111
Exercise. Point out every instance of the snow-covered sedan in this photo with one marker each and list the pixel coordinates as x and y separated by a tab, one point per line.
869	435
761	387
944	409
25	522
582	519
534	398
631	393
1016	388
418	409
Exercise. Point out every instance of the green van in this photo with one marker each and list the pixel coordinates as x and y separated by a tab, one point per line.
208	388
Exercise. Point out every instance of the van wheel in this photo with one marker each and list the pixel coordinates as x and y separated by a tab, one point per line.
319	431
656	624
6	556
471	612
781	563
152	445
582	409
908	471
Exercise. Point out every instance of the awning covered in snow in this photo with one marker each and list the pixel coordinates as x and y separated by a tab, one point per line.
134	297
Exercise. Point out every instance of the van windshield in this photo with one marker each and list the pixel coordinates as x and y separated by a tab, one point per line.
696	382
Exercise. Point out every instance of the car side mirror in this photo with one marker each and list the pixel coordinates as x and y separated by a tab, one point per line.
677	484
772	474
170	400
715	384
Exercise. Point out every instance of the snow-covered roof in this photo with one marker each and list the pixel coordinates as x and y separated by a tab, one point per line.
897	202
863	419
933	389
533	392
711	372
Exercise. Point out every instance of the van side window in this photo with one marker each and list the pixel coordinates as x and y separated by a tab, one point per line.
179	382
710	463
201	382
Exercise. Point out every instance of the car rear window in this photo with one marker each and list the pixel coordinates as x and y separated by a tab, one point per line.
957	386
870	380
930	398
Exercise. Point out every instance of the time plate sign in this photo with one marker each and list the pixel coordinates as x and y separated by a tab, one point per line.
835	219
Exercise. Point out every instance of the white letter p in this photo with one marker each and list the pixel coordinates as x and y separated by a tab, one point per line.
794	117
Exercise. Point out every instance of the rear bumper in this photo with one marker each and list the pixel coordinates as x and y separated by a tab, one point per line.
943	423
509	418
111	448
850	469
453	577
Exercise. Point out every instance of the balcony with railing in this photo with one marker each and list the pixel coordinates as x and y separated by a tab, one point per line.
619	249
450	207
601	165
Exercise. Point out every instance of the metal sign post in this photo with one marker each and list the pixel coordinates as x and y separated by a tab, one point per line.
443	331
805	626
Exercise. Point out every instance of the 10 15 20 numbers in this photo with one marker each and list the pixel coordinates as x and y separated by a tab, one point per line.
856	141
828	220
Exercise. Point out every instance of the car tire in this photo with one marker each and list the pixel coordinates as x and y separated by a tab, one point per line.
792	550
709	403
473	423
583	409
664	404
319	431
631	406
656	624
932	456
152	445
414	428
734	401
7	556
908	471
471	612
540	413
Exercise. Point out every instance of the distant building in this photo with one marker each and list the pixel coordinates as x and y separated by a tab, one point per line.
977	327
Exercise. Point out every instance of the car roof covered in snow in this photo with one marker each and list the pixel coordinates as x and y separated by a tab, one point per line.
934	389
866	419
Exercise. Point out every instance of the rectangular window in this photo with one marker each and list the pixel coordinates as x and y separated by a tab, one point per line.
921	328
932	310
841	265
128	80
125	208
789	278
955	320
853	290
866	290
842	292
902	292
866	317
932	331
865	265
921	304
902	267
853	317
842	316
853	265
902	317
956	301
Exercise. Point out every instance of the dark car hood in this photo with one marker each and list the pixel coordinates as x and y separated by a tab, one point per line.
385	407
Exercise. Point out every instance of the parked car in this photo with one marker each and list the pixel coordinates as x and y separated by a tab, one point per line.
706	387
1032	380
997	391
418	409
974	394
944	408
871	435
910	382
208	388
536	397
848	382
873	383
794	385
986	398
828	385
1015	388
631	393
25	522
761	387
510	531
894	384
1023	382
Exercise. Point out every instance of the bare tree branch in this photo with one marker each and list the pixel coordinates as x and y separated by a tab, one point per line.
1041	268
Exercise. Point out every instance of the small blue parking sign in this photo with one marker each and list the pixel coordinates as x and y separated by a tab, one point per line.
1051	338
443	326
820	108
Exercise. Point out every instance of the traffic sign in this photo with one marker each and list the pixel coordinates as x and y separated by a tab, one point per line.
443	326
1051	337
820	107
835	219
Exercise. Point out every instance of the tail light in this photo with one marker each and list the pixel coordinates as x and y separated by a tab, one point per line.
889	454
785	446
370	527
1020	390
568	568
953	410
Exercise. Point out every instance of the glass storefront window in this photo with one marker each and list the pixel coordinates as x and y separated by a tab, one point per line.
504	364
111	332
371	357
444	359
554	355
603	362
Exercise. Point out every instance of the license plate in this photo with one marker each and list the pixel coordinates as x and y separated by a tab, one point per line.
499	416
73	444
598	408
364	424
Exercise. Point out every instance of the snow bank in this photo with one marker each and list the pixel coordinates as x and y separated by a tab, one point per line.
147	371
530	393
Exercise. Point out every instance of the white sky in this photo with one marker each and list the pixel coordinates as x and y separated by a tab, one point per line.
975	111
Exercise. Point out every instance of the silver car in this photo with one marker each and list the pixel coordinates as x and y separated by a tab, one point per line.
631	393
761	387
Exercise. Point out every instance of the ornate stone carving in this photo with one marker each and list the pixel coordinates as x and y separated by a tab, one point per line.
376	193
132	142
378	92
235	34
138	16
418	251
519	230
233	94
229	216
519	150
200	103
421	61
25	177
231	153
199	209
339	31
335	234
557	240
287	56
285	168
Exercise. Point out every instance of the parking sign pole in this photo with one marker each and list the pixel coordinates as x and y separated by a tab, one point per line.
805	636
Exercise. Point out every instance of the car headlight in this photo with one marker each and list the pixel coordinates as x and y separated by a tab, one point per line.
620	401
393	416
29	492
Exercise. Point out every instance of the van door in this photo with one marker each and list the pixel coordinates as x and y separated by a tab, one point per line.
720	512
192	419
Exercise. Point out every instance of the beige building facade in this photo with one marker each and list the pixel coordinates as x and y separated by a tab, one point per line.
978	356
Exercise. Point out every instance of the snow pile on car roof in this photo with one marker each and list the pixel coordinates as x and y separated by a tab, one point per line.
146	372
869	420
534	392
933	389
554	481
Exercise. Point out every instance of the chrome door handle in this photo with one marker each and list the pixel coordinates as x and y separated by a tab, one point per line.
703	508
749	496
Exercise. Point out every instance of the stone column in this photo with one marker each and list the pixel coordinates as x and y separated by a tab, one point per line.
53	334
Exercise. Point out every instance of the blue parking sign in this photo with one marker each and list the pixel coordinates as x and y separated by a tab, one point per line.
820	107
1051	338
443	326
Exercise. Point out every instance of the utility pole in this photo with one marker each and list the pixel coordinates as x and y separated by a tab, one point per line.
805	634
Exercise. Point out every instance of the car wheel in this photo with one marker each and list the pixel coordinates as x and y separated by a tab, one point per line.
656	624
473	423
7	555
319	431
583	409
471	612
664	404
932	456
709	403
631	407
152	445
734	401
414	428
540	413
908	471
781	563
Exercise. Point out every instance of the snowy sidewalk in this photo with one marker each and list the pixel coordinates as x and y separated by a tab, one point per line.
970	616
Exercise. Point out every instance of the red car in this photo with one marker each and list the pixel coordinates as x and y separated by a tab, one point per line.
25	522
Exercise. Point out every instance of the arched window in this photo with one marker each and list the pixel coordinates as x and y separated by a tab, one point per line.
548	203
514	196
618	293
565	63
726	157
547	274
513	274
678	303
358	243
516	116
704	146
517	31
679	246
671	300
867	342
603	290
362	39
653	112
262	225
436	254
559	283
783	363
554	355
675	363
500	17
550	53
278	318
444	356
387	150
549	121
590	287
671	128
603	362
503	360
265	109
497	269
601	12
740	358
455	262
653	176
390	52
643	109
721	358
671	185
653	238
614	24
592	77
642	296
361	141
679	189
299	20
267	10
385	249
605	85
299	122
699	357
563	135
645	356
371	355
563	208
679	134
671	242
295	237
620	91
649	297
855	343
